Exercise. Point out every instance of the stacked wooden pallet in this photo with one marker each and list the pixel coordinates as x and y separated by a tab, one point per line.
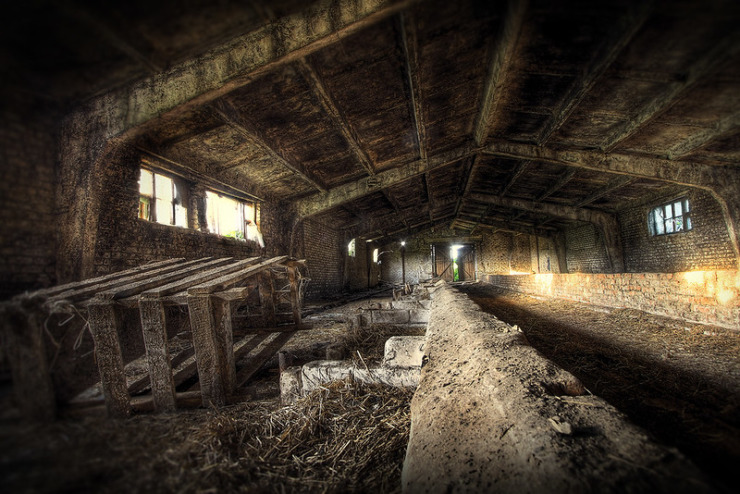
258	300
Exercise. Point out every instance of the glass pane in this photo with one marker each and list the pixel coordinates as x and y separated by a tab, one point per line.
145	206
163	188
212	211
677	209
679	223
163	211
181	216
229	217
669	226
688	223
146	183
686	205
658	222
668	213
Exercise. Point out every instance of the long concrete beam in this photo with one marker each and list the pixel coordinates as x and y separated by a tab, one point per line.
337	196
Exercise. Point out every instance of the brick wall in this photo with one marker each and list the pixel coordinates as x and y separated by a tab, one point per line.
28	153
124	240
324	250
711	297
585	251
707	246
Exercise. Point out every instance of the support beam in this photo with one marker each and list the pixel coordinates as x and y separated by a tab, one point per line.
467	184
340	121
559	184
605	222
521	167
725	50
623	30
502	50
614	184
230	116
342	194
409	43
730	123
417	228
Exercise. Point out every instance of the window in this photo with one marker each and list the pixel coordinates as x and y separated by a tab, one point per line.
673	217
160	199
231	217
375	255
351	248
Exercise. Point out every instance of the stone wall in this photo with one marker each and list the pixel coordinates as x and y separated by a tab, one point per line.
28	153
707	246
585	251
324	250
711	297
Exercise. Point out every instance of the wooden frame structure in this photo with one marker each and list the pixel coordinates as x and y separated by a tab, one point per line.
239	310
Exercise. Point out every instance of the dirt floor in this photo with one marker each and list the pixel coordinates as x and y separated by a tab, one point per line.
679	381
346	437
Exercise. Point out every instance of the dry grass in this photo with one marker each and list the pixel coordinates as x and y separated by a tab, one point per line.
346	437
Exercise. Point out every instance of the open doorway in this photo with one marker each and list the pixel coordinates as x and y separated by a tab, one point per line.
454	262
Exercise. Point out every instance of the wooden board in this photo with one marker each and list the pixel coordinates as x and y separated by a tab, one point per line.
228	281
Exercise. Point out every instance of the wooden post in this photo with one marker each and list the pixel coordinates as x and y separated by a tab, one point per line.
207	353
224	337
26	352
154	330
267	299
104	322
294	295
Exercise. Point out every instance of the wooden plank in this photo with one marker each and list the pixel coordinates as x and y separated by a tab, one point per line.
256	362
54	290
22	328
295	301
224	336
224	282
104	322
267	298
162	279
93	289
197	279
154	330
207	353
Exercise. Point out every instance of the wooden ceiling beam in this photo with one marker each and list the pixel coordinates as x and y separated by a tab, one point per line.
724	126
335	114
501	50
231	116
410	46
723	51
625	29
614	184
521	167
318	203
559	184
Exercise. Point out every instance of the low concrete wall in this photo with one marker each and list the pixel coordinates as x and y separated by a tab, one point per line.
493	415
709	297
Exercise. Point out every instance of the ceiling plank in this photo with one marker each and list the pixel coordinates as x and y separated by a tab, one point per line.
230	115
335	114
728	48
521	167
559	184
627	27
318	203
234	63
614	184
501	54
730	123
410	45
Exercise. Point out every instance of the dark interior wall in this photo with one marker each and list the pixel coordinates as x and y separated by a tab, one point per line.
360	271
124	240
707	246
585	251
324	250
28	154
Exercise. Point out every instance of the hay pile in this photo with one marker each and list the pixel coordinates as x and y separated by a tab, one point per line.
346	437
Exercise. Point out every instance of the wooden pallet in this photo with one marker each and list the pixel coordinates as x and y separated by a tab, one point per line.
259	298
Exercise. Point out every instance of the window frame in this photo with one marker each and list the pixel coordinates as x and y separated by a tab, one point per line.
661	224
243	206
148	208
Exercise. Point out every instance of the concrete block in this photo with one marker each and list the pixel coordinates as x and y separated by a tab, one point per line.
425	304
319	372
419	316
291	385
405	304
390	317
404	351
399	378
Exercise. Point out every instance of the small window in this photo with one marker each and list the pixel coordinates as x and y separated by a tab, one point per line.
231	217
375	255
351	248
160	199
674	217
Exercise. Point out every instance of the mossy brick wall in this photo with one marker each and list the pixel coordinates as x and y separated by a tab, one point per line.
28	152
324	250
711	297
124	240
706	246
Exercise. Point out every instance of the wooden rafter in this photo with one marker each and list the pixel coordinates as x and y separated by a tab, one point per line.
409	43
722	127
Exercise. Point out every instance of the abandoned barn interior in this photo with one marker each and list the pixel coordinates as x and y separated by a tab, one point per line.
206	204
